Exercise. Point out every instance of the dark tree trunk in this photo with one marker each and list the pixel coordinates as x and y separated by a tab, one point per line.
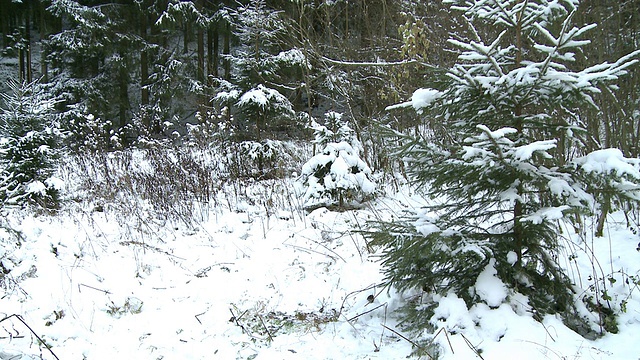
123	96
44	69
27	41
227	51
144	72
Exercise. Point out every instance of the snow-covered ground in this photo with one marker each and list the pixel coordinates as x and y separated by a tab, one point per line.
253	282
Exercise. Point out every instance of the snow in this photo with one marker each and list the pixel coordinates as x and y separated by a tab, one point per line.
421	99
256	96
526	151
489	288
104	284
172	294
36	187
547	213
292	57
346	172
609	161
264	98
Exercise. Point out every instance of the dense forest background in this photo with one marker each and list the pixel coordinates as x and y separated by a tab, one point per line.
126	72
515	123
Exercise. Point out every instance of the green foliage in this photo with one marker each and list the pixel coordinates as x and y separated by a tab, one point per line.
29	138
266	73
334	130
336	175
502	177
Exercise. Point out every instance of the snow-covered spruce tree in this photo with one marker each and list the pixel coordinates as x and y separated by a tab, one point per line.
265	72
29	137
503	177
336	176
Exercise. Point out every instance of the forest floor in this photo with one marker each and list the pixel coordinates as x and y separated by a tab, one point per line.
248	281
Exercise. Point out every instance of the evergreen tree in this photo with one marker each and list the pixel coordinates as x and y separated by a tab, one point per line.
91	58
503	176
29	138
118	82
265	72
185	15
336	176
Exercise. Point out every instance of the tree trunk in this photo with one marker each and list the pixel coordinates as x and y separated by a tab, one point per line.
27	40
44	69
4	21
123	96
21	64
187	28
227	51
604	212
200	40
200	76
144	71
214	50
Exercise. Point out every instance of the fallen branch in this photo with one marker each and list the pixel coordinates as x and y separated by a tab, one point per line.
33	332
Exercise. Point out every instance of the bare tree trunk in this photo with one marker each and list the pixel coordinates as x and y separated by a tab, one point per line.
214	52
27	31
227	51
123	96
200	40
186	29
44	69
144	72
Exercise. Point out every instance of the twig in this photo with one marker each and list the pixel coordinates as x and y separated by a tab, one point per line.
470	345
93	288
366	63
147	246
407	339
236	319
33	332
446	334
359	291
315	251
265	327
385	321
368	311
546	348
197	318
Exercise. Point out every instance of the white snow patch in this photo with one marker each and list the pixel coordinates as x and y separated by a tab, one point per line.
55	183
489	288
421	98
609	160
36	187
547	213
526	151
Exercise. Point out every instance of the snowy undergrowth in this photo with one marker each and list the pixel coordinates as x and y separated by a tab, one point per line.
257	279
234	287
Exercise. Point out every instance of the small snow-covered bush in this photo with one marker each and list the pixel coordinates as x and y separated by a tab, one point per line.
337	175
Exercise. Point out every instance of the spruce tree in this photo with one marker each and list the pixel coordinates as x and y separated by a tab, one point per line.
29	137
266	72
335	176
503	177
